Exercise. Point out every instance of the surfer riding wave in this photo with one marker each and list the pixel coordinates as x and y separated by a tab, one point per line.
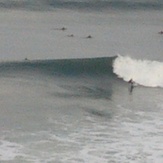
132	84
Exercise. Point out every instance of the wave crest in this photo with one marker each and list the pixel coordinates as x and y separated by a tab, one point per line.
144	72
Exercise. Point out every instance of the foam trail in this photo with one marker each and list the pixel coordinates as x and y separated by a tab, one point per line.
144	72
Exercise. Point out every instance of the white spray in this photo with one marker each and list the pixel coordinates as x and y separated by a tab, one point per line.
144	72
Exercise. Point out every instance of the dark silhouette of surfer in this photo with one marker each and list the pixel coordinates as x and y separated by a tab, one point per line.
131	85
26	59
70	35
89	36
161	32
62	29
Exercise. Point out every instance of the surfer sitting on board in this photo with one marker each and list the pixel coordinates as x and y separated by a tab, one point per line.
131	84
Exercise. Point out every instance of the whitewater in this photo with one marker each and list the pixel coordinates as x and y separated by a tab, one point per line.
143	72
64	73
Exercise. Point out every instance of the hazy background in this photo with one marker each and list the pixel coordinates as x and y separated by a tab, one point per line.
28	29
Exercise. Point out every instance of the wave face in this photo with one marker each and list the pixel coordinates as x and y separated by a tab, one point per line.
144	72
83	4
63	67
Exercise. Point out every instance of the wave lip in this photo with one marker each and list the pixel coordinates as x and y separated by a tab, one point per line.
144	72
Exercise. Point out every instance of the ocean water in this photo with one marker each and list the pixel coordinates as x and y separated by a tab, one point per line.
65	97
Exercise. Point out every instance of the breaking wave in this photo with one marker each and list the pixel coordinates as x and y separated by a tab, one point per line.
143	72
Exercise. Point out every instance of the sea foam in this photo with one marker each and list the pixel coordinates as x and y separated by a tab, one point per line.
144	72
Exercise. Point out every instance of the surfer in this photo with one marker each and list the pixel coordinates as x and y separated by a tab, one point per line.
26	59
70	35
62	29
131	85
89	36
161	32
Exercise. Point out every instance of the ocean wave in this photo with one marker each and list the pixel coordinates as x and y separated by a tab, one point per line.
144	72
68	67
